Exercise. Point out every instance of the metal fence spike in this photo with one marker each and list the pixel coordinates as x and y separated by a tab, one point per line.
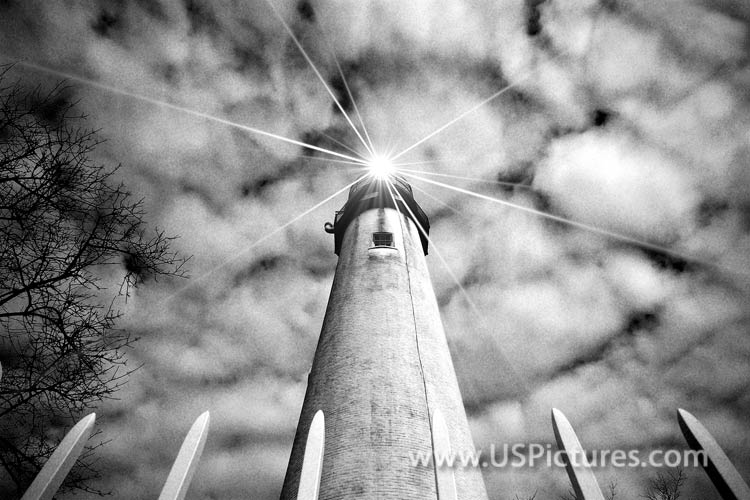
53	473
445	477
719	468
581	476
184	465
312	463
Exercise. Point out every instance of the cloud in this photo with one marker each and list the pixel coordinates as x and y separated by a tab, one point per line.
640	192
629	116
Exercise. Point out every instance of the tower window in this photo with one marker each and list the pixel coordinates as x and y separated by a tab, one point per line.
382	239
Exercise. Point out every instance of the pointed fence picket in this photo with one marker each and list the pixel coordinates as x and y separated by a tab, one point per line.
312	462
444	476
184	466
53	473
580	474
49	479
718	467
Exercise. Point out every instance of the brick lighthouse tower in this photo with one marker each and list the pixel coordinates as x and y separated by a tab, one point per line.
382	367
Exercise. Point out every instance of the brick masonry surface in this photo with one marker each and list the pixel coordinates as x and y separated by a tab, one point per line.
382	331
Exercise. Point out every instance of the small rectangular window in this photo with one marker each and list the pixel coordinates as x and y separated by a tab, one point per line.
382	239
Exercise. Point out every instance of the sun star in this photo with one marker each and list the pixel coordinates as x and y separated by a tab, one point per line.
381	167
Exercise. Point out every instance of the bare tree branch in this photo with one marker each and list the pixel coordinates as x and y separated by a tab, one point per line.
666	485
63	222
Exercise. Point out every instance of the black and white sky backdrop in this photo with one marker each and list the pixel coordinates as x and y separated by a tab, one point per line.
629	115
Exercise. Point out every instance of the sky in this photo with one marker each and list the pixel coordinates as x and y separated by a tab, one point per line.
631	116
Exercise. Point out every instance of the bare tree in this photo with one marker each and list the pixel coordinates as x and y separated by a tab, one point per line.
665	485
65	229
568	495
610	494
530	497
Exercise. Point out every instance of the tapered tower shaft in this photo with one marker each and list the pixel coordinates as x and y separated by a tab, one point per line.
382	365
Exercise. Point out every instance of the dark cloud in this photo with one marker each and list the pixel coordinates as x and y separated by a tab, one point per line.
631	116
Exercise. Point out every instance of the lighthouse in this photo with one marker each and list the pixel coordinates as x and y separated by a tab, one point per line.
382	368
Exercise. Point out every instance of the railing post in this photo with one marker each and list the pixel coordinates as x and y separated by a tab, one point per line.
186	462
312	462
581	476
444	476
717	465
53	473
